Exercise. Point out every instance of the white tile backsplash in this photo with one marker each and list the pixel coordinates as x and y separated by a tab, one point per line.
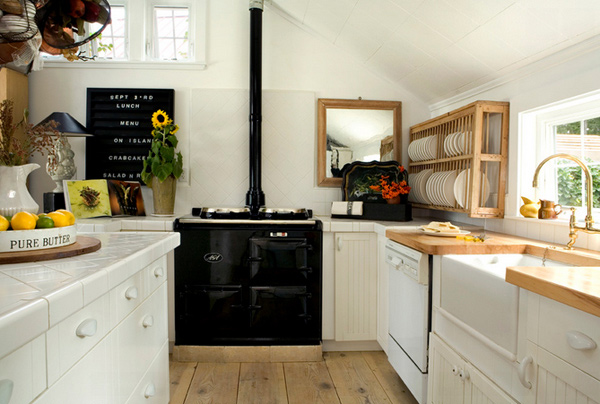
220	148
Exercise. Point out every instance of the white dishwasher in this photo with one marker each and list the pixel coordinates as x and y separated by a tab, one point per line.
410	315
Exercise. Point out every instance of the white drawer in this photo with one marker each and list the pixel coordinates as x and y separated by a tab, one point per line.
570	334
23	373
73	337
139	338
90	381
155	274
154	386
128	295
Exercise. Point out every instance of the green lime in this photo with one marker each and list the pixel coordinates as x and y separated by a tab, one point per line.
44	222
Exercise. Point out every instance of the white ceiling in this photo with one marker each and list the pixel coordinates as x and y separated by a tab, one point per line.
440	48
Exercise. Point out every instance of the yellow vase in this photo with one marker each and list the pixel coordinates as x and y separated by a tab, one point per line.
530	208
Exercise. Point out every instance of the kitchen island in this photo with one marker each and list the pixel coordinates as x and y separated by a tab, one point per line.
90	328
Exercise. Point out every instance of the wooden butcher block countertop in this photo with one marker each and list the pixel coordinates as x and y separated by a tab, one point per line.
577	286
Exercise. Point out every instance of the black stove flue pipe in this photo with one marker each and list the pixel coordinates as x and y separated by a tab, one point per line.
255	197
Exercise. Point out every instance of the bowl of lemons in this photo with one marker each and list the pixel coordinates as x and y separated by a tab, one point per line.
26	231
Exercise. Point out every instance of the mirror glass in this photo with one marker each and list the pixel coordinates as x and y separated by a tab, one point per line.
355	130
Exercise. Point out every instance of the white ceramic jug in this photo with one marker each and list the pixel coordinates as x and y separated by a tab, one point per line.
14	195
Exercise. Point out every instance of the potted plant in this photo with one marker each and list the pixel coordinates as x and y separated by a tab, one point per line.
394	192
163	165
15	152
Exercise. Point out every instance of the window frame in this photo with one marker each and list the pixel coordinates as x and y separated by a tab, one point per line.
152	31
536	132
137	39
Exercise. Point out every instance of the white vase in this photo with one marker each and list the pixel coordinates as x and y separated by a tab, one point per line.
14	195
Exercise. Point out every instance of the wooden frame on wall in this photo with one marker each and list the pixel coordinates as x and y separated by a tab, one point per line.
323	104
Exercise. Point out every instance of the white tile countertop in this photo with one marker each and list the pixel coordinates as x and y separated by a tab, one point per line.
36	296
154	223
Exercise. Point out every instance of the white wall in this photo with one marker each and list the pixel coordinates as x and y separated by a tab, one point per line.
293	60
569	74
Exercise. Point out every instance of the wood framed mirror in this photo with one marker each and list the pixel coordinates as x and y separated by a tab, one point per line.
355	130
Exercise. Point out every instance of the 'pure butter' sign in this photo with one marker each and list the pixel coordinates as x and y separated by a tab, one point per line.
39	239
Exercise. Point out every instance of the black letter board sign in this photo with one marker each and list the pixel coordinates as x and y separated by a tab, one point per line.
121	121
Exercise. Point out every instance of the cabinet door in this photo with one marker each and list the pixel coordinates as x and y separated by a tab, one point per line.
561	383
445	384
355	287
382	295
481	390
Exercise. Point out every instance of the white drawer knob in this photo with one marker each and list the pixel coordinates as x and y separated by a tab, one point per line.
454	370
6	389
148	321
131	293
150	391
580	341
159	272
87	328
463	374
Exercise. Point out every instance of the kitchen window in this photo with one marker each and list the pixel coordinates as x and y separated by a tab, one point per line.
156	32
112	42
171	33
573	127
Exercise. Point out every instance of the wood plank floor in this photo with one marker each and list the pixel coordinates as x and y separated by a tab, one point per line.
342	378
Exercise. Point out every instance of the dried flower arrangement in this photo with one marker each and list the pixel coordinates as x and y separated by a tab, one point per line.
15	151
390	191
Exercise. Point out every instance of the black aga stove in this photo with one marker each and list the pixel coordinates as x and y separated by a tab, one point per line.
251	275
248	282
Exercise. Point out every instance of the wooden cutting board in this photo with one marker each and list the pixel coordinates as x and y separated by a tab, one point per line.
83	245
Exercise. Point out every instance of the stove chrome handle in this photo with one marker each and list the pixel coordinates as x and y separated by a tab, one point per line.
308	270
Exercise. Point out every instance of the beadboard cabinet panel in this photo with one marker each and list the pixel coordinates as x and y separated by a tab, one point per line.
355	286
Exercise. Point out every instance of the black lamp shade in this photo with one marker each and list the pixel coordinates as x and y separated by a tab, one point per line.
66	124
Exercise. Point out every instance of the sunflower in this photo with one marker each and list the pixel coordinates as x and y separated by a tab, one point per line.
160	119
175	129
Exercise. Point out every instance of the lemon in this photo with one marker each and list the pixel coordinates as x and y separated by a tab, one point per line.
60	219
4	224
23	221
44	222
70	215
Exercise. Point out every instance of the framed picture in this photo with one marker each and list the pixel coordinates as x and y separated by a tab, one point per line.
126	198
87	198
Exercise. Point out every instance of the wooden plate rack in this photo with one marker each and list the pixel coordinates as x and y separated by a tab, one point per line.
484	154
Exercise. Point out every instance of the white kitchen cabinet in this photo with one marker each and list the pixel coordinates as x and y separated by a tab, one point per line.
90	381
454	380
383	292
355	286
23	372
559	382
564	344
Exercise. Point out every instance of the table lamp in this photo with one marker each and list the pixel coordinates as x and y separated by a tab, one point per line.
61	165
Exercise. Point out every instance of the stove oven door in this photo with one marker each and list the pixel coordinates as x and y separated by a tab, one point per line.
281	313
210	314
285	290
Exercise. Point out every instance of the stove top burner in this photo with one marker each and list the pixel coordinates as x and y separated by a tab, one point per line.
244	213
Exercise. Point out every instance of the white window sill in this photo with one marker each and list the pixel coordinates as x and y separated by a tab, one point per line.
125	64
562	220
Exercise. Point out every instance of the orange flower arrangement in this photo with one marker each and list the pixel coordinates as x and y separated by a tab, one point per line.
389	191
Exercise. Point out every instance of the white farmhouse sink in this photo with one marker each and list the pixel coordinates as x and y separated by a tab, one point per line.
474	291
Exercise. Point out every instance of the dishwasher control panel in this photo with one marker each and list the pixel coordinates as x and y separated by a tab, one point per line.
413	263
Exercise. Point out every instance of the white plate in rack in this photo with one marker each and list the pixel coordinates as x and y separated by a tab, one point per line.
448	188
422	185
461	188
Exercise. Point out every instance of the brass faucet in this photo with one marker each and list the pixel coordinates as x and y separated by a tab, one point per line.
589	222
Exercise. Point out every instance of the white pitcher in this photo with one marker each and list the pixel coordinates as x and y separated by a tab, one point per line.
14	195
